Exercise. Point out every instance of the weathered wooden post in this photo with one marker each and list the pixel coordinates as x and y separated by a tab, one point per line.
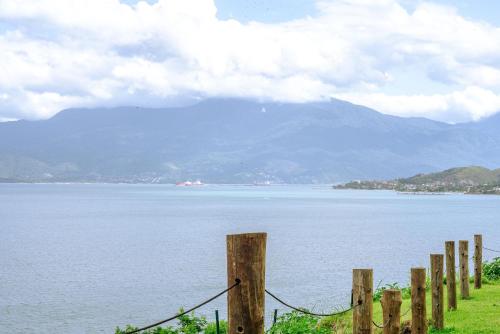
246	261
437	291
478	260
391	308
362	290
418	309
451	282
463	250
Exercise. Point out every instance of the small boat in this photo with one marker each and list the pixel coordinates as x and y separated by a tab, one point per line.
265	183
189	183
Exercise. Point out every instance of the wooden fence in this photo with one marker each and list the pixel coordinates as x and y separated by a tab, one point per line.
246	291
246	255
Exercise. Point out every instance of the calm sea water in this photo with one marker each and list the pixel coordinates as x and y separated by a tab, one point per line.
86	258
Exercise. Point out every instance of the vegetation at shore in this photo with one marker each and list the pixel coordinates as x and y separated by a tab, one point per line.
468	180
479	314
186	324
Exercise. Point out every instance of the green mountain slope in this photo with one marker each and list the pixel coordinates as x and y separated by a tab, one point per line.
473	175
469	180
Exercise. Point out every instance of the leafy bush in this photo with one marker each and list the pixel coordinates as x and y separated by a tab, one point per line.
338	324
212	329
189	324
298	323
491	269
157	330
484	280
186	324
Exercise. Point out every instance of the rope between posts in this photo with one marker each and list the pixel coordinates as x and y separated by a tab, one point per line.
382	326
491	250
407	311
301	310
237	282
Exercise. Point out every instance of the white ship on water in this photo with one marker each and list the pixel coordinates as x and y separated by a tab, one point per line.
189	183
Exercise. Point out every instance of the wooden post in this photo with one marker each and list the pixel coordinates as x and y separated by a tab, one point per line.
451	282
362	289
418	309
246	261
437	291
391	309
478	260
463	250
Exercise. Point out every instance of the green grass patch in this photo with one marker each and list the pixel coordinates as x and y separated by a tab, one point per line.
480	314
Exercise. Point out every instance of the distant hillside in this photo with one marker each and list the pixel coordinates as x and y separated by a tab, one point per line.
239	141
475	180
462	175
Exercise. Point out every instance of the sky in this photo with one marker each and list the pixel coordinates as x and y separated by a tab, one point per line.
437	59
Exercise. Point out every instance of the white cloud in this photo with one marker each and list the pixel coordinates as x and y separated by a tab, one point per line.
68	53
460	106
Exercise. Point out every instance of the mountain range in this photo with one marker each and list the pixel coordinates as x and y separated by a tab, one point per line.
239	141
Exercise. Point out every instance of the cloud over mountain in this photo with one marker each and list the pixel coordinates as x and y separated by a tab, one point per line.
429	61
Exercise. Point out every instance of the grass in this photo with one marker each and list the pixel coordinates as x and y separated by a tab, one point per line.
478	315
